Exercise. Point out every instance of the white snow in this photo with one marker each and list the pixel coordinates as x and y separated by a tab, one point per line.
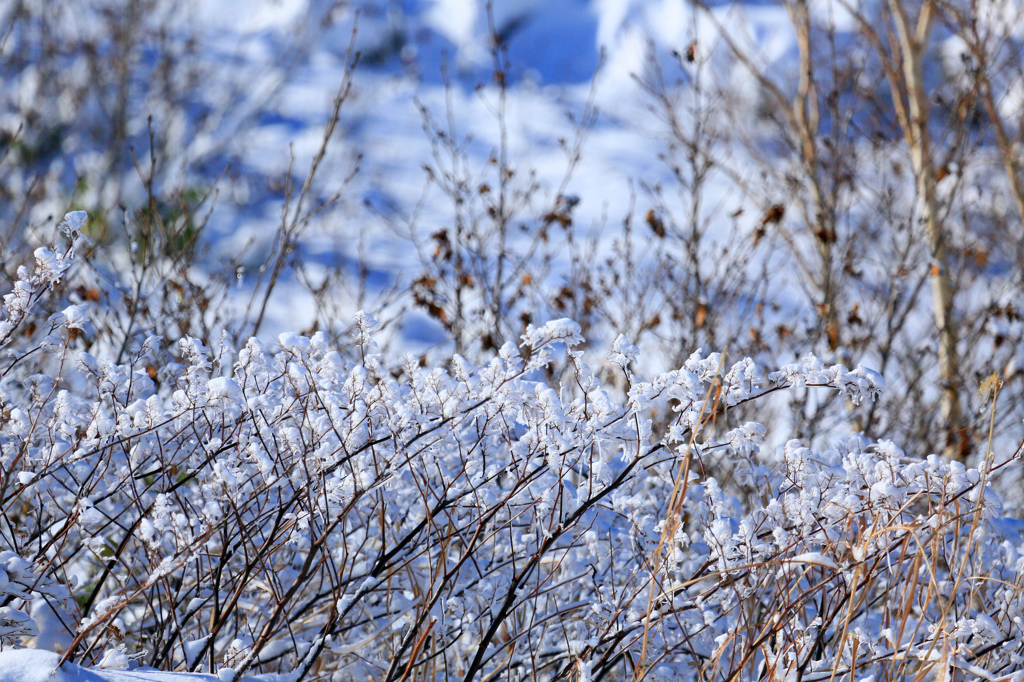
815	558
31	665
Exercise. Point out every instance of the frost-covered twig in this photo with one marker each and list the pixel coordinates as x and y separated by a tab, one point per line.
47	271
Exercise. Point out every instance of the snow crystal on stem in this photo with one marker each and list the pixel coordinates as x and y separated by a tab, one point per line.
564	330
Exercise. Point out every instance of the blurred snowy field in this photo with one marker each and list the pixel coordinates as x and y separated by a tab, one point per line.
268	70
409	51
233	98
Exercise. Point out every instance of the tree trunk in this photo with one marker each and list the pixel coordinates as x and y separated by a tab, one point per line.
912	43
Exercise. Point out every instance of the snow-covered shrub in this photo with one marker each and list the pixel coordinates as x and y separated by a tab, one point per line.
48	269
311	510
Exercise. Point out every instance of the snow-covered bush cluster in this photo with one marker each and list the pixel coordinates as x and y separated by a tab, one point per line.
331	513
463	489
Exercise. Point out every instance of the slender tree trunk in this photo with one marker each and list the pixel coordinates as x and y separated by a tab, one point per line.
912	43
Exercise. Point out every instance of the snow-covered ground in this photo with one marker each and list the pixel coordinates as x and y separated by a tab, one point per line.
263	75
33	665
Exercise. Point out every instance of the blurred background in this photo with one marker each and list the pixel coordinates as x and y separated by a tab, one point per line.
763	179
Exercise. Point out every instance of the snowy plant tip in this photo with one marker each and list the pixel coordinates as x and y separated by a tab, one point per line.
562	330
858	384
623	352
48	269
72	225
